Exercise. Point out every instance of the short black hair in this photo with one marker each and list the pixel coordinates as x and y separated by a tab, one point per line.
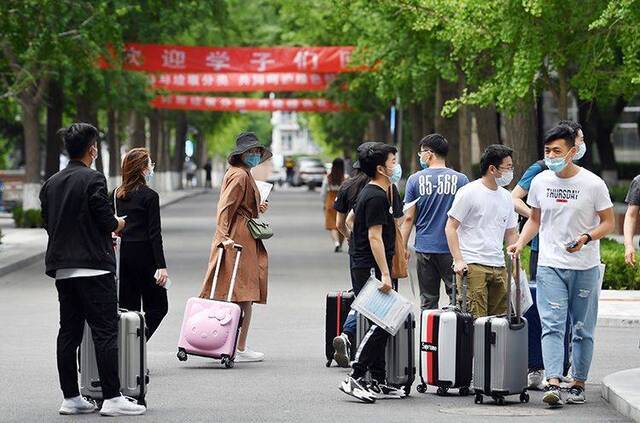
375	155
436	143
564	132
493	156
571	124
78	138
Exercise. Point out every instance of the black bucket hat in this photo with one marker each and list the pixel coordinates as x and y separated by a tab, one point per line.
245	142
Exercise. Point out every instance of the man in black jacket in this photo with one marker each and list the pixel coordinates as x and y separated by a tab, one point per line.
79	220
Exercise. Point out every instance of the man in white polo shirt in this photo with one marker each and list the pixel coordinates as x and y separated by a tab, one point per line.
481	219
571	209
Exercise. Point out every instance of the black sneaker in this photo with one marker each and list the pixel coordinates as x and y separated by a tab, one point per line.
552	396
384	391
342	348
357	389
576	395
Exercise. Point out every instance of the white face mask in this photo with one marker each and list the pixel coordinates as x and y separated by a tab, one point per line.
505	179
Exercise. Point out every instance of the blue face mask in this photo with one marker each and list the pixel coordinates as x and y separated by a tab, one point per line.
423	164
556	165
582	149
396	174
252	159
149	176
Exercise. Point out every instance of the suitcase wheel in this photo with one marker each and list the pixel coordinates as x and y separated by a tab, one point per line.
499	400
479	399
422	388
328	363
524	397
407	390
142	401
227	362
442	391
182	354
464	391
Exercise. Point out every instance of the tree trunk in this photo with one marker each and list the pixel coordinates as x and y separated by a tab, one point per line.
599	120
428	116
521	135
87	112
464	130
178	154
448	126
487	126
415	117
31	124
113	145
138	135
55	111
563	95
162	159
154	134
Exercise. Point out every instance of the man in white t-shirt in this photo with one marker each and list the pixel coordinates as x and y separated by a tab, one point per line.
481	219
571	210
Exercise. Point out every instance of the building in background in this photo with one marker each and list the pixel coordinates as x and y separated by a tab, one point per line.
290	137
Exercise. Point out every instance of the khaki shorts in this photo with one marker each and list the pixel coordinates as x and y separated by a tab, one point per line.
486	291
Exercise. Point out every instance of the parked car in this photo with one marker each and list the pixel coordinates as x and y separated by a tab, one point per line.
278	176
309	171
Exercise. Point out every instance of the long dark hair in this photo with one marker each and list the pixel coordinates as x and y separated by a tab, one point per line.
336	176
354	185
133	166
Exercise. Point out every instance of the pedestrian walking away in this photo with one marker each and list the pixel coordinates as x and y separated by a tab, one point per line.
143	270
239	203
481	219
79	220
571	210
372	248
330	186
433	189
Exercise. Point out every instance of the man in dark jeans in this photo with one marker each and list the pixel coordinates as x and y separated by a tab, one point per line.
79	220
372	248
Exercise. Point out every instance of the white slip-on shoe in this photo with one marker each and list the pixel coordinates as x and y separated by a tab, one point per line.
122	406
77	405
248	356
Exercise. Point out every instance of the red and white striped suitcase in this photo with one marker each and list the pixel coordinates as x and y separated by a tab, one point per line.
446	347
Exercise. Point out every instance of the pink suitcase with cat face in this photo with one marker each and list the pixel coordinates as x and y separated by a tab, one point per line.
210	328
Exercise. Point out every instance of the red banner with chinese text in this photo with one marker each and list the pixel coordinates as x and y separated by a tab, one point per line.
198	59
234	104
241	82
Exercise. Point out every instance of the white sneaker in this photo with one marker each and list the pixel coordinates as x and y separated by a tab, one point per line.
122	406
536	381
248	356
77	405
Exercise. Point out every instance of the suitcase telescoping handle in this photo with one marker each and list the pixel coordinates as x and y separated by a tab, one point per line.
514	316
465	284
238	249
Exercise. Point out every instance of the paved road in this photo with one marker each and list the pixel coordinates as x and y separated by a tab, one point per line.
293	383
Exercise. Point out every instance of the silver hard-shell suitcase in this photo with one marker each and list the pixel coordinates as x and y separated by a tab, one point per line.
399	354
501	351
132	353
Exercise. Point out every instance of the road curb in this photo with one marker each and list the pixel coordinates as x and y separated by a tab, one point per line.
621	322
621	391
35	257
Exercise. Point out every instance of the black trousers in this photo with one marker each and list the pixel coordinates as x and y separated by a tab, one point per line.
92	299
533	264
432	268
138	284
371	352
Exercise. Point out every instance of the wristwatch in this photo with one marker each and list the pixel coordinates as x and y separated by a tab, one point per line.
589	238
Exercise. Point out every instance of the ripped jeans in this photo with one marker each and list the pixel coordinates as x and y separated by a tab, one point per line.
562	291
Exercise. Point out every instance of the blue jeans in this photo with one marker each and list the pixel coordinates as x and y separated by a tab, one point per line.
562	291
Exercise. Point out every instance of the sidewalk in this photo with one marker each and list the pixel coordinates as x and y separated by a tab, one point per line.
23	247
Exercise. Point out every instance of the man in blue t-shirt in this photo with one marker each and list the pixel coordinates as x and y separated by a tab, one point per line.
433	190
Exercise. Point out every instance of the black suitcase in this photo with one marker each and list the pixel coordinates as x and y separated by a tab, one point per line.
338	306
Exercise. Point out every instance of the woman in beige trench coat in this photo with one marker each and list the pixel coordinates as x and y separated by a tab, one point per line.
239	201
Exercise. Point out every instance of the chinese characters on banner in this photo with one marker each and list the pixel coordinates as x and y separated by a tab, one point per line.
198	59
241	82
229	104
